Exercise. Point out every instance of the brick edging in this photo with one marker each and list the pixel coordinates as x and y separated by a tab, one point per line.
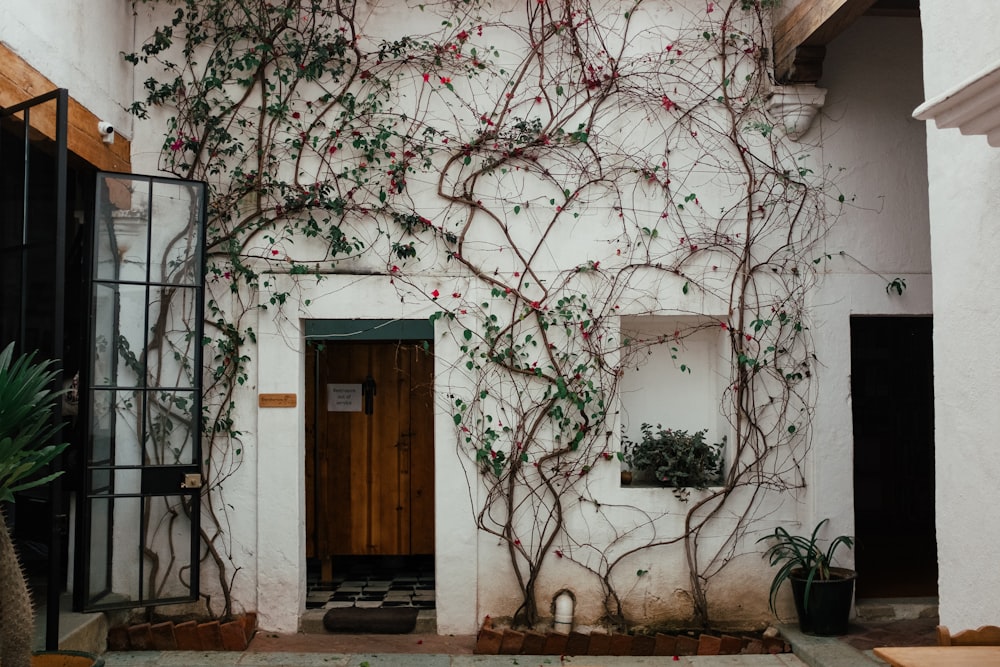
233	635
506	641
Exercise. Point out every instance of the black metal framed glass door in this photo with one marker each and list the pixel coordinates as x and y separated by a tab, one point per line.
33	213
139	521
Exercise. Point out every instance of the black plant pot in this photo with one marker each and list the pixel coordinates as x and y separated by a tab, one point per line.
829	602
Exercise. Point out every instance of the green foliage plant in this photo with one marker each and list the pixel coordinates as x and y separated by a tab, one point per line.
676	458
798	556
26	426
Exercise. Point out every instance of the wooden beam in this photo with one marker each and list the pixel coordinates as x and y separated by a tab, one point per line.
19	81
811	23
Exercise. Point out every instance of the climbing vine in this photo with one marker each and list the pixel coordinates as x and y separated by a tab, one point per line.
565	168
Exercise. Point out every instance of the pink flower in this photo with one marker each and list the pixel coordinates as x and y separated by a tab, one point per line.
710	8
177	144
667	103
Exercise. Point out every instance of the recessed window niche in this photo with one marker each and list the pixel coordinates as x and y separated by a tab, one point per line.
675	371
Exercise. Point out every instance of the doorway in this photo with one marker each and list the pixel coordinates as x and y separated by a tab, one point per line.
893	410
370	468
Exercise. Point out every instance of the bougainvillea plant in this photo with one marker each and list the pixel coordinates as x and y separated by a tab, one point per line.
565	166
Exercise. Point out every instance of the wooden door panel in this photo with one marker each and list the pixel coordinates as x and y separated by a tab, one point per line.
421	442
370	478
385	428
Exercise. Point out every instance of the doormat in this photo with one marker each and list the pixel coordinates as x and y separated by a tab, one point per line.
375	620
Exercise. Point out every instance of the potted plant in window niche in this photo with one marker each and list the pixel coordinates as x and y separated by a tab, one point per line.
26	432
674	458
822	593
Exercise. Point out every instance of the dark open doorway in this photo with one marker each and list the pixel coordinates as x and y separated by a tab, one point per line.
893	406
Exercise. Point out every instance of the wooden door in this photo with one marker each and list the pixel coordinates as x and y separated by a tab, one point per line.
370	458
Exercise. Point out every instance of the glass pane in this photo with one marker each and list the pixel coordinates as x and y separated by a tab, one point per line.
175	252
171	424
166	550
100	481
118	321
173	341
127	429
99	570
121	228
101	421
125	517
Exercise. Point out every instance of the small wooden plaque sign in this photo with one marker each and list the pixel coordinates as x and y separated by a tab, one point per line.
276	400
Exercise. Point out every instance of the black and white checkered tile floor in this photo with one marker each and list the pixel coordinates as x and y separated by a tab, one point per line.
362	582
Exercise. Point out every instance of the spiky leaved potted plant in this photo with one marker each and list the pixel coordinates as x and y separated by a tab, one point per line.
26	428
822	593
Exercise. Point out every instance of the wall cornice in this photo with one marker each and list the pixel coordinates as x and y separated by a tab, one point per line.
972	106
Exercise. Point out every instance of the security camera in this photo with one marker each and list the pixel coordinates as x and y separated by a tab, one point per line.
107	131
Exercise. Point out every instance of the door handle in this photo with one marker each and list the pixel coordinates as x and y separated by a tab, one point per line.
368	393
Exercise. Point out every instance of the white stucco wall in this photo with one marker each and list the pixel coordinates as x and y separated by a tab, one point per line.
864	128
865	133
884	230
960	40
78	46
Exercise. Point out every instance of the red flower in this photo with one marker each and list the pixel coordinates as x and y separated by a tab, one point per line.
274	252
435	294
394	269
177	144
427	77
296	115
667	103
462	36
445	80
710	8
456	295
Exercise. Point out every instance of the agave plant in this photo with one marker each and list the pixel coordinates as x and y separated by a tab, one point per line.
801	557
26	427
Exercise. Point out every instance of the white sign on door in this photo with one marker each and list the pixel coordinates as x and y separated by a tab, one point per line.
343	397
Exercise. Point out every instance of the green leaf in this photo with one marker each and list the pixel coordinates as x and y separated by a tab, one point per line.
457	417
517	209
